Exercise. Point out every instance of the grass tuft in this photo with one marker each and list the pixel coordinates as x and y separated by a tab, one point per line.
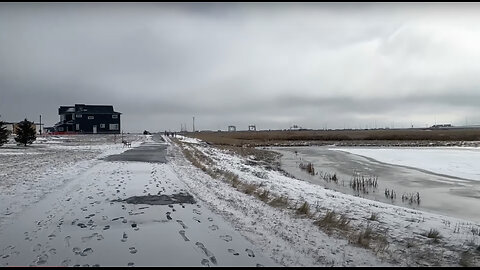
304	209
434	234
279	202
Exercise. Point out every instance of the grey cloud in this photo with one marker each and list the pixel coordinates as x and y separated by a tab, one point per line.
275	64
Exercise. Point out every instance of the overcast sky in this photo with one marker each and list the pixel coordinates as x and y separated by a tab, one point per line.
316	65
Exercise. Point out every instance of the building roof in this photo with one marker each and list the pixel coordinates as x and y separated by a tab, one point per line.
88	109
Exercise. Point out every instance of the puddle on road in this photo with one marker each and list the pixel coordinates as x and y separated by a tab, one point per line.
160	199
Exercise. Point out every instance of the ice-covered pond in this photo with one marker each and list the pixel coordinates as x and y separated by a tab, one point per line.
447	179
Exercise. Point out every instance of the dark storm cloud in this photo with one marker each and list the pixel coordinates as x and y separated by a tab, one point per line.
272	64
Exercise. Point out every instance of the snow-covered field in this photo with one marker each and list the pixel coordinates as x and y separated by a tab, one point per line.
463	162
66	178
27	174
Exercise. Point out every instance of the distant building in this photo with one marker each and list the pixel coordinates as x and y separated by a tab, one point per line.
442	126
48	129
88	119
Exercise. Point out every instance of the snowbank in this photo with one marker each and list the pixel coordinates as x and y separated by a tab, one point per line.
293	240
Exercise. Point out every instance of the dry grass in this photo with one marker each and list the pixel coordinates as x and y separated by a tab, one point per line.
370	239
279	202
330	222
364	238
373	217
434	234
249	189
467	259
264	196
264	138
304	209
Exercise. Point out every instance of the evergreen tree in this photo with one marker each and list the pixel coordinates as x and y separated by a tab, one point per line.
3	133
26	133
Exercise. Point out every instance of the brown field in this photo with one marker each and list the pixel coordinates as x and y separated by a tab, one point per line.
340	137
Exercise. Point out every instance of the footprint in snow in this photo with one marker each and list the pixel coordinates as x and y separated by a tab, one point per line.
213	227
42	259
182	233
36	247
226	238
67	240
207	252
65	262
76	250
205	262
250	253
86	251
181	223
233	252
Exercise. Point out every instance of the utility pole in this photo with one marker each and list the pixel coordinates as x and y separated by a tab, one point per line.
40	124
194	124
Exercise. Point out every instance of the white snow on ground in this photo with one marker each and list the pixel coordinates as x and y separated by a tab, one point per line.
187	139
288	239
27	174
460	162
296	241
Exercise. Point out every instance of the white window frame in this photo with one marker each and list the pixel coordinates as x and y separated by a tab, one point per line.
114	116
91	117
77	126
78	116
113	127
102	125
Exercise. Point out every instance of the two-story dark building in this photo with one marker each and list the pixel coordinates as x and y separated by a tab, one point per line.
93	119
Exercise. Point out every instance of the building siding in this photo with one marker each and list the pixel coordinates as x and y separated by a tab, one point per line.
69	119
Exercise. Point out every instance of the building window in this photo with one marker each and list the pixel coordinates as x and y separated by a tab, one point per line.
60	129
77	126
113	126
102	125
79	116
90	117
114	116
